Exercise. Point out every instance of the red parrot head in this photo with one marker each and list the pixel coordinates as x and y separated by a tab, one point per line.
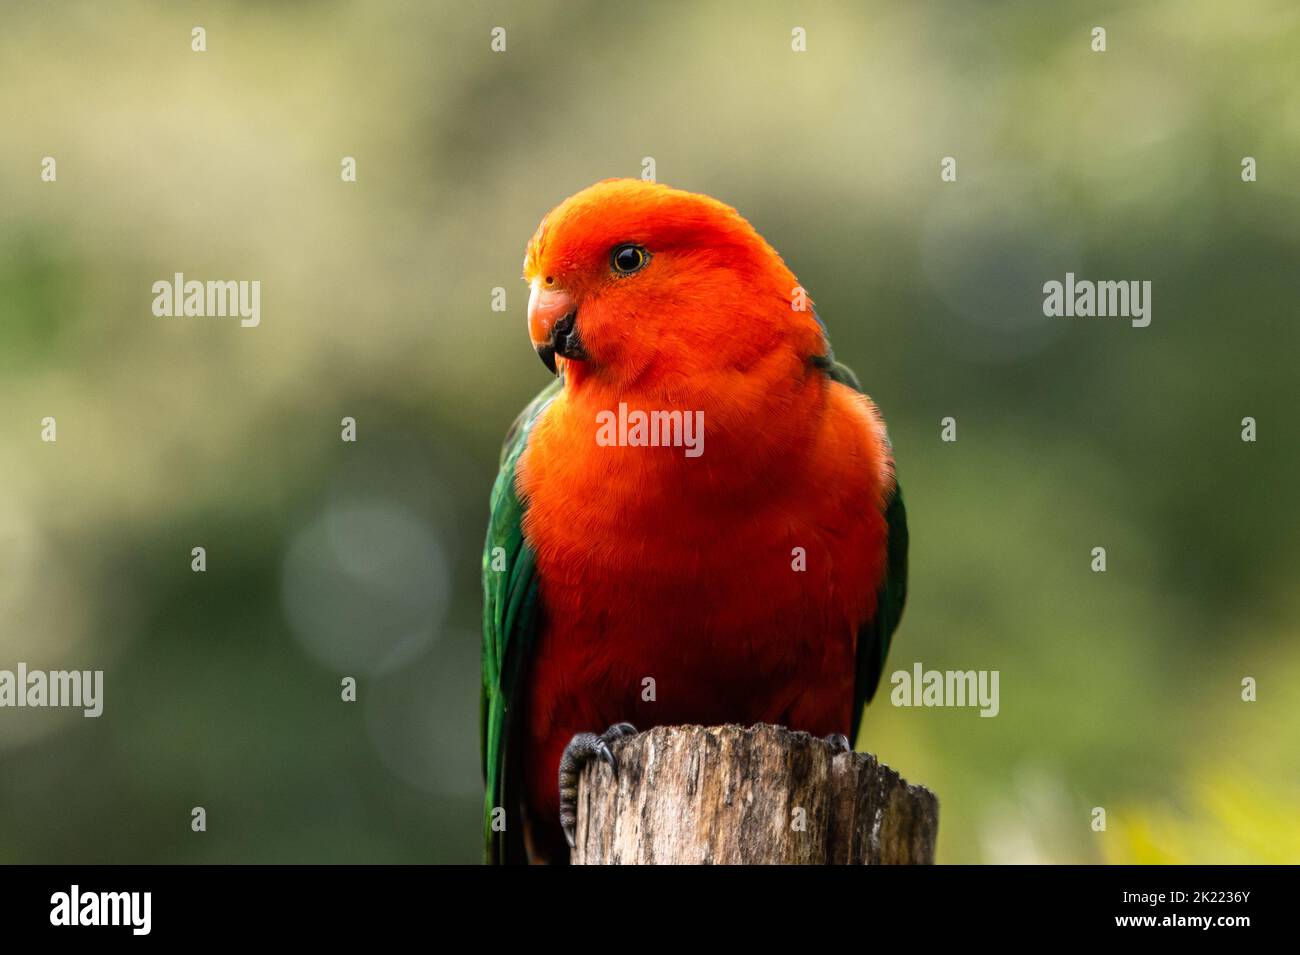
633	282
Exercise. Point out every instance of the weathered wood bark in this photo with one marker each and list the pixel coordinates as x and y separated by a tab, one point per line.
726	794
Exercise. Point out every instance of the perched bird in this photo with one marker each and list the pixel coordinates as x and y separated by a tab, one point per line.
697	522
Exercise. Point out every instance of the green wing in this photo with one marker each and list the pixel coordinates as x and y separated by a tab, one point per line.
875	635
509	626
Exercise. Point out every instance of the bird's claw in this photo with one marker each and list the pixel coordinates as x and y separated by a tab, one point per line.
582	749
838	742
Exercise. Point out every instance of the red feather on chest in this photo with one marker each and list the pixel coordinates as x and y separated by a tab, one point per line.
727	587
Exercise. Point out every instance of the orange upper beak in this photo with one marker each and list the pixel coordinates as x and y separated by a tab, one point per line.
552	324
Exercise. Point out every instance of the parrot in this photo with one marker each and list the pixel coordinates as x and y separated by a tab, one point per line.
630	582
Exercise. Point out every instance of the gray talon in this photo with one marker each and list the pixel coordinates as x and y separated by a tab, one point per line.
581	750
606	756
839	742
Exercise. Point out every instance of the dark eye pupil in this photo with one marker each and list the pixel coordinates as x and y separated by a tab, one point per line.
628	258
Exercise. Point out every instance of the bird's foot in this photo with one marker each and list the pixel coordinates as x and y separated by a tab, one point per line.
581	750
839	742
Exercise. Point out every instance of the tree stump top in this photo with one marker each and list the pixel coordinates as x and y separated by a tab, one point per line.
731	795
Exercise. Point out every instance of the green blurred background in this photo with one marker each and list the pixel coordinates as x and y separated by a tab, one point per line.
1120	690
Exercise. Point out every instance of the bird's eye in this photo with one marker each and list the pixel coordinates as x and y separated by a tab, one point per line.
628	258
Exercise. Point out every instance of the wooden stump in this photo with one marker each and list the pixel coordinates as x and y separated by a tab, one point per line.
730	795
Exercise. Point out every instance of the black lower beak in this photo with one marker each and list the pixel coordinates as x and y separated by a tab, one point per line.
564	342
547	354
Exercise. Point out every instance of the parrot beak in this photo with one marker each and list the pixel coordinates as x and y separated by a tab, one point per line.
552	325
